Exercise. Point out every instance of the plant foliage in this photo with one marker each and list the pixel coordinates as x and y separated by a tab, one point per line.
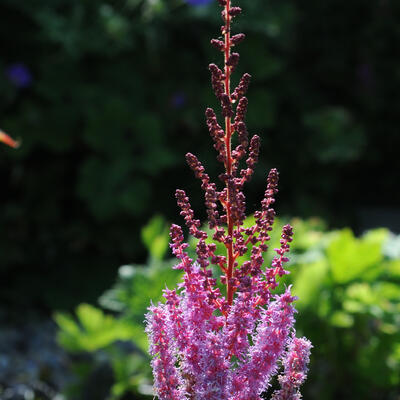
78	73
349	290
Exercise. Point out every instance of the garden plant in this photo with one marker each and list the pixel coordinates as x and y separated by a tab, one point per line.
348	289
212	343
323	85
325	91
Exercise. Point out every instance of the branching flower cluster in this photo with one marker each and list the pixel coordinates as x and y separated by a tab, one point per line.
209	345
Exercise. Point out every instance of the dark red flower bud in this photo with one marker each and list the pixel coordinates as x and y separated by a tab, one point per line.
236	39
234	11
218	44
233	60
217	80
242	133
241	89
241	110
226	105
254	151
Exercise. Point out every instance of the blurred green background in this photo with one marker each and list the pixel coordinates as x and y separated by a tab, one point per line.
108	96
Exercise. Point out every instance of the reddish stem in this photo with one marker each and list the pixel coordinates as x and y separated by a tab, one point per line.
228	135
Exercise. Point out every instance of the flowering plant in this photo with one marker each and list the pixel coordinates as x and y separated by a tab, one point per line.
209	345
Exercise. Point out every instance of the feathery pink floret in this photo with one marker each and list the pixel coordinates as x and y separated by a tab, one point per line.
202	354
295	369
269	340
212	382
166	377
240	324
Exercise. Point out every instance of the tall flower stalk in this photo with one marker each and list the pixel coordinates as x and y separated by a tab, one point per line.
213	345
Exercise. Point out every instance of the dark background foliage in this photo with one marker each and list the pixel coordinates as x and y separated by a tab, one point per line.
108	96
116	96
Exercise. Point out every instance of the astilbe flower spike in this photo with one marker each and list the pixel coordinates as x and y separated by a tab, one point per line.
209	345
295	369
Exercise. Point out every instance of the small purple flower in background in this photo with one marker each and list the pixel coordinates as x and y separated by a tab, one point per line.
178	100
365	75
198	2
19	75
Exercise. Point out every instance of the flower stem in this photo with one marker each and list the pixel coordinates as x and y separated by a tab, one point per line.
228	135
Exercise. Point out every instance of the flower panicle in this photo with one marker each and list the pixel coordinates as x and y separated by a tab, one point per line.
227	344
295	363
166	376
270	339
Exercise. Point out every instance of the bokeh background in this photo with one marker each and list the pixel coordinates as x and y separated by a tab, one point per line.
108	96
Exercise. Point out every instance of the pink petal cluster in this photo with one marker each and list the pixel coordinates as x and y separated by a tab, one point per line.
198	354
295	369
206	345
166	375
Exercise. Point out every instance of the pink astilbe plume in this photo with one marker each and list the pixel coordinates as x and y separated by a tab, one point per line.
209	344
166	376
295	373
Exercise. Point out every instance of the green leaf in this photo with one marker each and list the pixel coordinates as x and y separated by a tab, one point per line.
308	233
388	291
342	319
361	292
97	330
90	317
393	269
155	237
308	283
66	323
379	236
352	258
137	285
69	332
354	306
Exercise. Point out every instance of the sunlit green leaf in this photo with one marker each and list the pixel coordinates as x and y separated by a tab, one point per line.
352	258
308	283
155	237
91	317
341	319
